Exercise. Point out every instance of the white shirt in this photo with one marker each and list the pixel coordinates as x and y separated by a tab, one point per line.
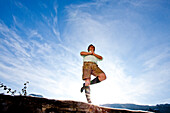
90	58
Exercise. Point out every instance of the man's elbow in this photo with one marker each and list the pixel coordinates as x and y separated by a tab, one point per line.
81	53
101	58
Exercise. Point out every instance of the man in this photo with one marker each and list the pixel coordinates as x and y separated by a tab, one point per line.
90	67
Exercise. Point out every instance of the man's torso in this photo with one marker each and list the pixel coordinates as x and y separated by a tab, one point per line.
90	58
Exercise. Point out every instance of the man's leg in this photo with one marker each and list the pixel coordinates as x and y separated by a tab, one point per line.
100	77
86	74
87	83
95	80
87	90
86	87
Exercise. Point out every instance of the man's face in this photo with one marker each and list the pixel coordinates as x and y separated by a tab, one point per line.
91	48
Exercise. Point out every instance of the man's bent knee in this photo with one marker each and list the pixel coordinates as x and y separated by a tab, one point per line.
102	76
87	82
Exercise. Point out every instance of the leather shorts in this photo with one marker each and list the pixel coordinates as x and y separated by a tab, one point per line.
90	68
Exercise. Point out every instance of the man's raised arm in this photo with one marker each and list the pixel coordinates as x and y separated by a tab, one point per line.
98	56
85	53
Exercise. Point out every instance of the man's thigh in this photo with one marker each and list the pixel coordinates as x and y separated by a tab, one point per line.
96	71
87	70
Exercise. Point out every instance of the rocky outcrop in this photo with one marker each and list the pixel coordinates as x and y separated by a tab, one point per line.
25	104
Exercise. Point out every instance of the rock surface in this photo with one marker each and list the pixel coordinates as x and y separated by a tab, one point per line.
25	104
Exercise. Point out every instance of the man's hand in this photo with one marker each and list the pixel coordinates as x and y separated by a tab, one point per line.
91	53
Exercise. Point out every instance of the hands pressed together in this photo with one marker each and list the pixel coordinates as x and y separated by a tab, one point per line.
91	53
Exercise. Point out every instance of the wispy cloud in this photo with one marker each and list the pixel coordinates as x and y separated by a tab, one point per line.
122	42
30	57
43	64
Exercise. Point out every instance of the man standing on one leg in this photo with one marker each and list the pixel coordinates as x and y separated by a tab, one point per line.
90	67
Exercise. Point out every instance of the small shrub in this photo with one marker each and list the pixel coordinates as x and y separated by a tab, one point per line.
12	92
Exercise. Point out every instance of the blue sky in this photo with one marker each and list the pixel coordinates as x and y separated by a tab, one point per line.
41	41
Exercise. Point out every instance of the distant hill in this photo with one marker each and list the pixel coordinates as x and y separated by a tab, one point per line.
161	108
